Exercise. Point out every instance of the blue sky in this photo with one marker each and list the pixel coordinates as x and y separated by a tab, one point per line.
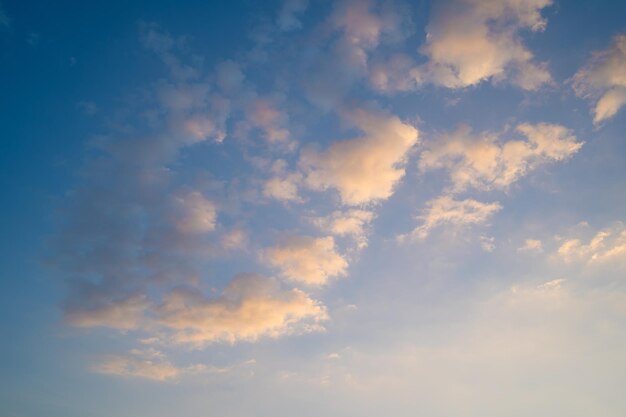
313	207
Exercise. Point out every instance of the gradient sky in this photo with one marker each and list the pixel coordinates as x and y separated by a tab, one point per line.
313	208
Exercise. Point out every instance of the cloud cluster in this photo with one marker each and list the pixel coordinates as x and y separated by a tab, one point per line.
364	169
250	307
484	162
604	79
606	245
468	42
305	259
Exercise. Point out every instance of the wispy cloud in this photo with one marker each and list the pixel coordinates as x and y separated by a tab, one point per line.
603	80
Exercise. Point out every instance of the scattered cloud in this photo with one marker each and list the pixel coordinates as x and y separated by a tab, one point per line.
194	213
305	259
531	246
445	210
470	41
603	80
606	245
367	168
149	364
484	162
351	223
282	185
235	239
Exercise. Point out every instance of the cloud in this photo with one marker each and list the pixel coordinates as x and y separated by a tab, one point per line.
264	115
236	238
283	185
249	308
288	16
305	259
603	79
445	210
363	169
148	364
606	245
5	22
484	162
124	313
532	246
470	41
194	213
363	24
351	223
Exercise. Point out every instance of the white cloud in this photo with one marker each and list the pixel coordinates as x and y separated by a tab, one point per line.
352	223
606	245
249	308
445	210
604	79
470	41
484	162
305	259
367	168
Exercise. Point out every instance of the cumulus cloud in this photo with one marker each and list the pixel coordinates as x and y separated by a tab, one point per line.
364	169
282	185
603	80
445	210
363	24
264	115
484	162
470	41
305	259
249	308
351	223
606	245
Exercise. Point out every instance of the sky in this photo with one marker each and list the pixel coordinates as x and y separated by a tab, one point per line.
313	207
